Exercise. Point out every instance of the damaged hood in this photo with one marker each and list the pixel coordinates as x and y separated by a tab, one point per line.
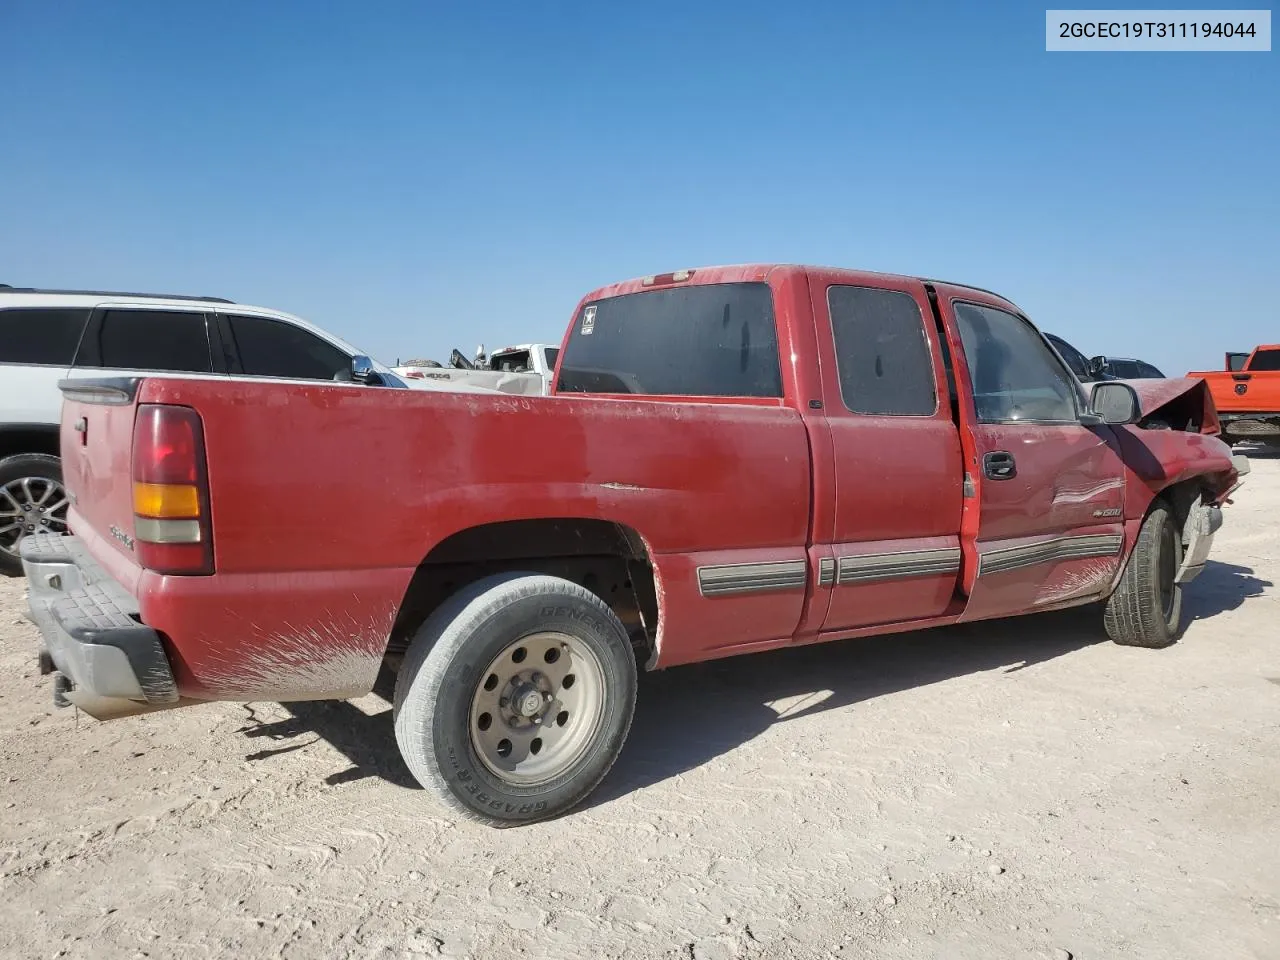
1182	398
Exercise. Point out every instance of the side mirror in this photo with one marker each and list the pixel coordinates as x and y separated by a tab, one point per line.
361	368
1097	365
1114	403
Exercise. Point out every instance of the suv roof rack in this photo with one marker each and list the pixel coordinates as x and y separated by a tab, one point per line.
8	288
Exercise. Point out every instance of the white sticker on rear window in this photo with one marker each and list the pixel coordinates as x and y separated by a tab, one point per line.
588	320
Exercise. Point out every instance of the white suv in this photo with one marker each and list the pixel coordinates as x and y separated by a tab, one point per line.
49	335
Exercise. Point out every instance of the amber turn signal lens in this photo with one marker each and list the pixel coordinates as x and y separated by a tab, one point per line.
162	500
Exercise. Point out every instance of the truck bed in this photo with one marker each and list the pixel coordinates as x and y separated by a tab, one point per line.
326	542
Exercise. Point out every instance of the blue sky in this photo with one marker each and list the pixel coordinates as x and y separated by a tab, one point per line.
416	176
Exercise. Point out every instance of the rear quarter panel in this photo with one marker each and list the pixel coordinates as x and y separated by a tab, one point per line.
326	498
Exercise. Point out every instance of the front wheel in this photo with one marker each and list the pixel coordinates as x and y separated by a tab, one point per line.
515	697
1146	608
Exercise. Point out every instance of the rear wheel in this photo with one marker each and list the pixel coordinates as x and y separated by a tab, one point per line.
515	698
1146	608
32	500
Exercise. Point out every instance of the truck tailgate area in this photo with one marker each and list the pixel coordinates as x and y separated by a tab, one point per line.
91	628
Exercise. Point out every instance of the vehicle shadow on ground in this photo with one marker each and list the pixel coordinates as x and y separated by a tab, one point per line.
367	741
1219	588
687	716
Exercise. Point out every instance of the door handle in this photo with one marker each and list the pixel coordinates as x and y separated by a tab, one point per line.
999	465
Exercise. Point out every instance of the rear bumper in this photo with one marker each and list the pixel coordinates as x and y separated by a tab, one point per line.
91	628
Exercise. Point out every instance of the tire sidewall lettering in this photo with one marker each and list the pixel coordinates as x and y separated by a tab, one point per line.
463	772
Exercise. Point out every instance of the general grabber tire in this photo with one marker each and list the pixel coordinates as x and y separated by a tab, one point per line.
1146	608
515	697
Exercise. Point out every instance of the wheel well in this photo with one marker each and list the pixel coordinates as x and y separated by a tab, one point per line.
608	559
35	438
1181	497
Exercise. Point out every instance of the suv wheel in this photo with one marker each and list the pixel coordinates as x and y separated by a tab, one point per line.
32	500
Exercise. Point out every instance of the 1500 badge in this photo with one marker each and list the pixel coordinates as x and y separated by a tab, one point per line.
1111	512
121	536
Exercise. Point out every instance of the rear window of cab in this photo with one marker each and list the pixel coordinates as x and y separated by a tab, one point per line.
709	340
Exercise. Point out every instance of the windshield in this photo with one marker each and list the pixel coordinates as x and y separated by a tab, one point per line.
1074	358
1125	369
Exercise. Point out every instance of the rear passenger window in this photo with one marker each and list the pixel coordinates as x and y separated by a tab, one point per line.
272	348
41	335
881	352
711	340
165	340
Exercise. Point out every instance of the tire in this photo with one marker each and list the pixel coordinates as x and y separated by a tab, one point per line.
1146	608
463	661
43	470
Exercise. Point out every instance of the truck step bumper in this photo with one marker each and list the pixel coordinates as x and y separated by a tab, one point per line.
91	629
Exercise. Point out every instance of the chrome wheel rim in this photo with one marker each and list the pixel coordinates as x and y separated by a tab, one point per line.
30	505
536	708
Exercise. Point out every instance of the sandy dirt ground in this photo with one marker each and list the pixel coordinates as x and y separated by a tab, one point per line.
1019	789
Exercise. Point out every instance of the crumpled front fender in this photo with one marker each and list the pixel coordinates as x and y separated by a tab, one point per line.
1177	402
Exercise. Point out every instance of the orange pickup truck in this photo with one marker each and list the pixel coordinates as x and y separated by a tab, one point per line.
1247	395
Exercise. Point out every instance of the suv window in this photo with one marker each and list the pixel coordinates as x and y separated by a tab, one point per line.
1015	375
167	340
881	352
273	348
1149	372
713	340
551	354
1265	360
41	335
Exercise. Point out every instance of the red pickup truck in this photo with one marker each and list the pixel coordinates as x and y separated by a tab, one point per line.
1246	393
734	459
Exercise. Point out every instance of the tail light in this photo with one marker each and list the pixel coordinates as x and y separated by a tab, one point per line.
171	524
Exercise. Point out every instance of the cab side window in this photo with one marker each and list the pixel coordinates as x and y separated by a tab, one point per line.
882	355
1015	375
